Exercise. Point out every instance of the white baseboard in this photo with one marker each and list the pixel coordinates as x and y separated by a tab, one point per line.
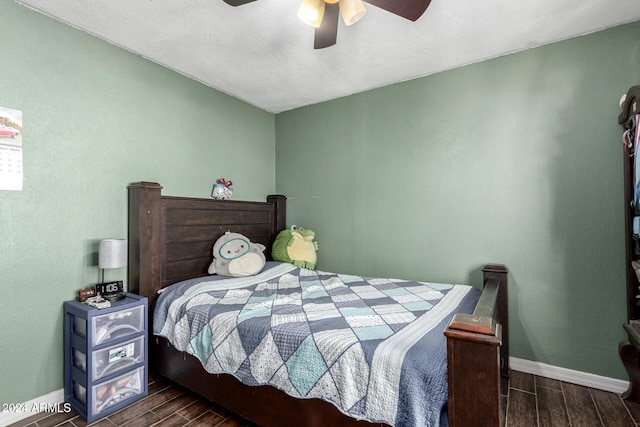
536	368
563	374
50	402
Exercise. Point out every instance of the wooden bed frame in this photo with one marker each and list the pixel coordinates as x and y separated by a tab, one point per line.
170	239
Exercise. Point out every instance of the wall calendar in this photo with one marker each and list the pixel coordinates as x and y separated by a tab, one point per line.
11	171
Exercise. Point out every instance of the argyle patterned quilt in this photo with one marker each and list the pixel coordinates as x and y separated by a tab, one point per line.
372	347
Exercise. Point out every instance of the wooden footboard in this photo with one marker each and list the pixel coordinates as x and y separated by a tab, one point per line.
475	357
170	239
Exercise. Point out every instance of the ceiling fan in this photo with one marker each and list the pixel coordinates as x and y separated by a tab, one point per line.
323	15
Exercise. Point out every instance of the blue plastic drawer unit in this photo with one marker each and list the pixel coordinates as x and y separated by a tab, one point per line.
105	355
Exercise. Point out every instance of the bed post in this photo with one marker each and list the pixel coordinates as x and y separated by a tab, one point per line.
280	203
473	356
278	222
500	272
144	235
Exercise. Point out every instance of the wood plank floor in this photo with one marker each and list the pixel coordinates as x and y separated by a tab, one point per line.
529	401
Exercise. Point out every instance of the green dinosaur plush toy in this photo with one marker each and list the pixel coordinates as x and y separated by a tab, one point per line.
296	246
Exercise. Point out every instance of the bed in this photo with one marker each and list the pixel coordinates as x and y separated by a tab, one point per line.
170	240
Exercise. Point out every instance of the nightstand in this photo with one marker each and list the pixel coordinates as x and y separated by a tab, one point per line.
105	355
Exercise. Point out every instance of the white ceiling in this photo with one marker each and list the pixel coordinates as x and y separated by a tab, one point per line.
261	53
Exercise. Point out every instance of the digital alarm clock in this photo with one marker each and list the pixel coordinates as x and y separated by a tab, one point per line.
111	291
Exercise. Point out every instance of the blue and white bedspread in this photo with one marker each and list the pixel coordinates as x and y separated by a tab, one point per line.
372	347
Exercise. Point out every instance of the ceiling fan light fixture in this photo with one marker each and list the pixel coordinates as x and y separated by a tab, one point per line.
311	12
352	11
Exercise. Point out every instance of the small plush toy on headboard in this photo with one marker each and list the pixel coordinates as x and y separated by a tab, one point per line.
235	255
296	246
222	190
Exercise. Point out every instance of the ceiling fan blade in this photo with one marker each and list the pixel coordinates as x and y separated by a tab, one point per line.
237	2
409	9
327	33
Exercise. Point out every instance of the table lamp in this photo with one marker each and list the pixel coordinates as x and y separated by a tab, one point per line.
112	253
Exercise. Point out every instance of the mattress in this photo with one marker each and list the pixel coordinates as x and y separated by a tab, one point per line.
372	347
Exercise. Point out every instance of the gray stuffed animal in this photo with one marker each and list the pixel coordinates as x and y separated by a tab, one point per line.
235	255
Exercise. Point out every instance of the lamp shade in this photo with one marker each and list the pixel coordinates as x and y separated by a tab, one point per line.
352	11
311	12
112	253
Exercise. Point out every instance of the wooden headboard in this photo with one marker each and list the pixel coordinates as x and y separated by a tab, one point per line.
171	238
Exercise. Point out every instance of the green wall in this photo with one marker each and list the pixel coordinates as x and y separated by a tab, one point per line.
97	118
516	160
